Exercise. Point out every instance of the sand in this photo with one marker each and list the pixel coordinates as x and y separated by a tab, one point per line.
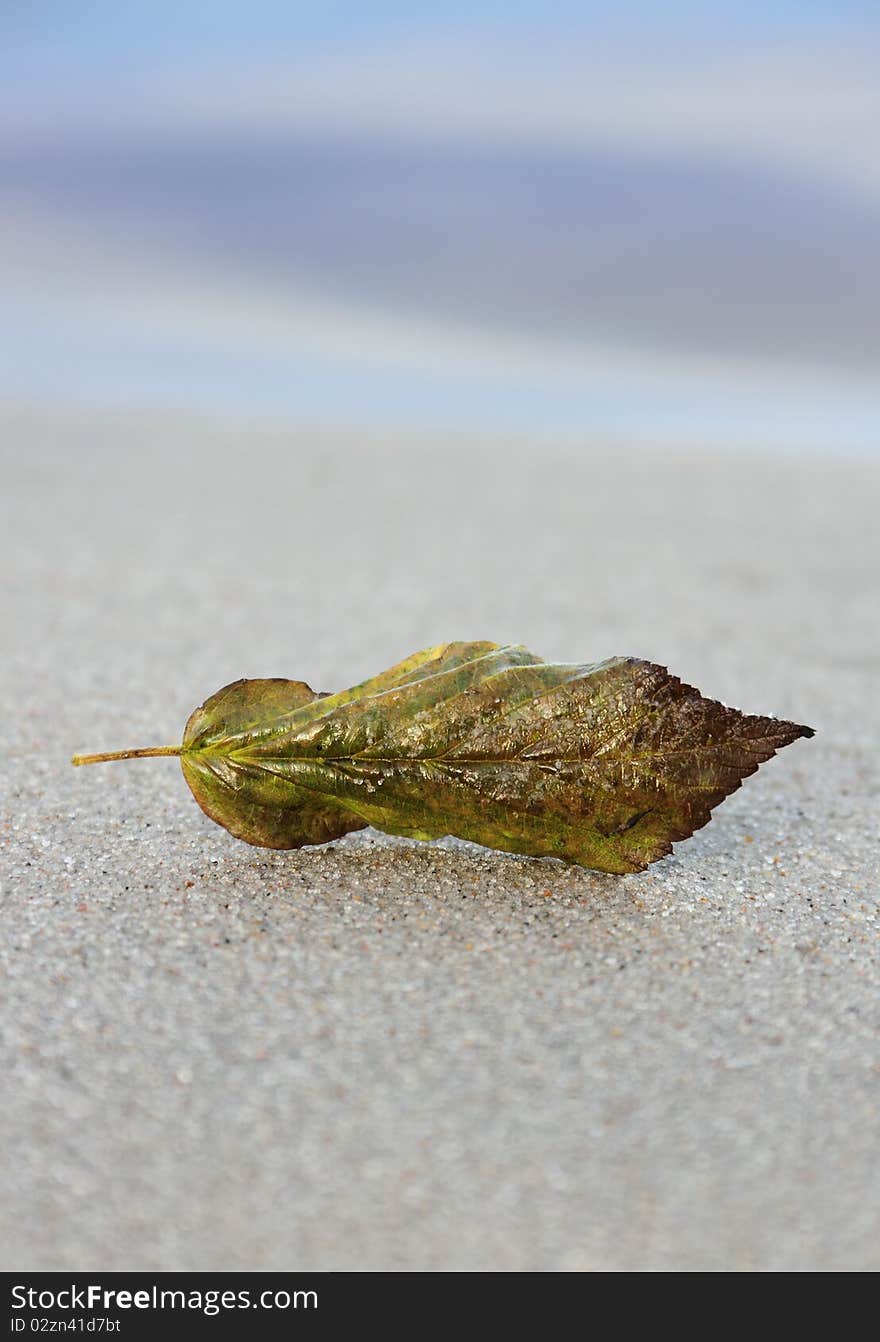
386	1054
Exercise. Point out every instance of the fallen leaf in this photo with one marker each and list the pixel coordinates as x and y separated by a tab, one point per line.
606	765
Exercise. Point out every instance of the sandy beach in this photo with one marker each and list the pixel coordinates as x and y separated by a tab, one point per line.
386	1054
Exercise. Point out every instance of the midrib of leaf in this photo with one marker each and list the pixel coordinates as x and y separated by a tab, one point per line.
444	761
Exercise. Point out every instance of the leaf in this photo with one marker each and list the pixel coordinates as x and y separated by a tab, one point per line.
606	765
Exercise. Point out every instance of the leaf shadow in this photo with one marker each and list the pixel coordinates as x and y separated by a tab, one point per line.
399	878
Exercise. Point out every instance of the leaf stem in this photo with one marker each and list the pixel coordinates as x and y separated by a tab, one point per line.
147	753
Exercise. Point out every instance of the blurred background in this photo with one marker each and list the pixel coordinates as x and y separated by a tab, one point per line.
658	224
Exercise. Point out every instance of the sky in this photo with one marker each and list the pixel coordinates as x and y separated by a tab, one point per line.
654	222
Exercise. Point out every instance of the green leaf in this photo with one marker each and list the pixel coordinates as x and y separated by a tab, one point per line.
606	765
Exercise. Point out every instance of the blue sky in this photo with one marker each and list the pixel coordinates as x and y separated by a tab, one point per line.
603	218
93	25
